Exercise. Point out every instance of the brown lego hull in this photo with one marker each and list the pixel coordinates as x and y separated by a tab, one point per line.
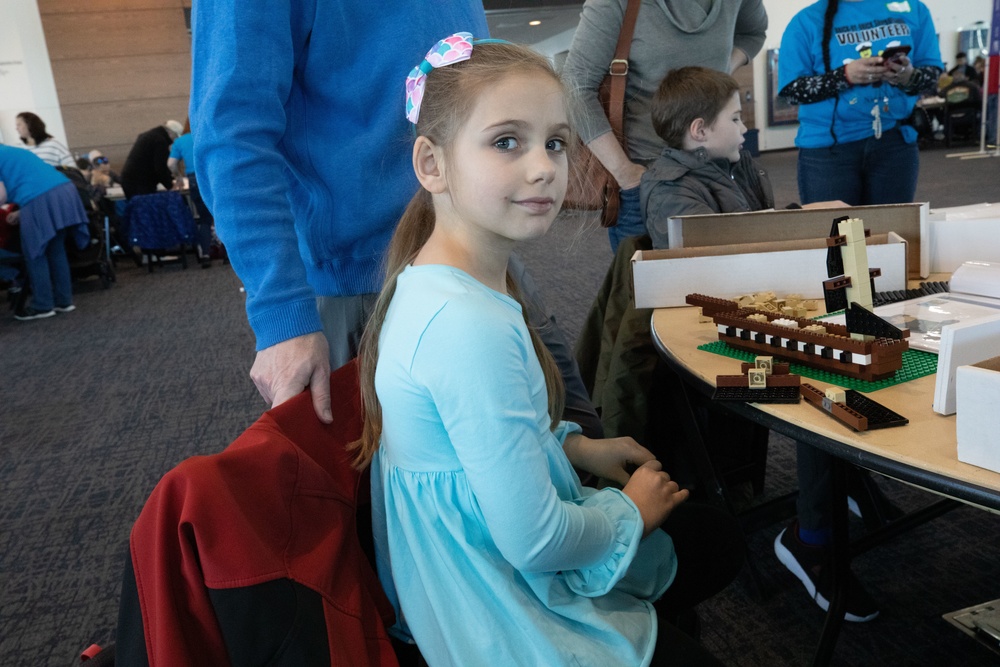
832	351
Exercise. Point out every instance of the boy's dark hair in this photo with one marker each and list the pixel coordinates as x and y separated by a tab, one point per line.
687	94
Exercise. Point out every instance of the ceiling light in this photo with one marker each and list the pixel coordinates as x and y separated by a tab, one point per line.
534	23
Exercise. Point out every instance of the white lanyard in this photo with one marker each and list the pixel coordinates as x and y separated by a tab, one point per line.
877	114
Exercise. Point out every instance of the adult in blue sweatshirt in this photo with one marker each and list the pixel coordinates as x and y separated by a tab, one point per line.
50	208
304	159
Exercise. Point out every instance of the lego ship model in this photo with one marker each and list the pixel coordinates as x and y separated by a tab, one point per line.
867	348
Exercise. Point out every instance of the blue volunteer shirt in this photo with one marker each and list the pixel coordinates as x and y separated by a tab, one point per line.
860	29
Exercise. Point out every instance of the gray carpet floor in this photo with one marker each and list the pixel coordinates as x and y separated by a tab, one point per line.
97	404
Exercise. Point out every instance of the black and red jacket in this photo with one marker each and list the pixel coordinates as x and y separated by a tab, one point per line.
252	555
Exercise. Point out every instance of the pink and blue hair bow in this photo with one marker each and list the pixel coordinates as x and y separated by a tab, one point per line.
450	50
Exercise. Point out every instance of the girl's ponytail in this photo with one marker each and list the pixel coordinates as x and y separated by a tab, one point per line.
411	234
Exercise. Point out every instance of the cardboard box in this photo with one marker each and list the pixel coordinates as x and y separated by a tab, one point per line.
978	420
662	278
963	233
907	220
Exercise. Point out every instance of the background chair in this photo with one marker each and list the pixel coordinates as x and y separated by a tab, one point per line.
962	112
159	223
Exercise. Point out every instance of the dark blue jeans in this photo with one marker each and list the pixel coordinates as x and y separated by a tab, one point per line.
629	219
51	282
869	171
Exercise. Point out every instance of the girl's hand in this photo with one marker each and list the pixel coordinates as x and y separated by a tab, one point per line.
864	71
655	494
14	218
611	458
898	70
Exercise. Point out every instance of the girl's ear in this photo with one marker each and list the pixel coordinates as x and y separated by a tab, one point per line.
428	165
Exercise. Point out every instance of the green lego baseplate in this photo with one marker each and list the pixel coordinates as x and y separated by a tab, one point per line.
916	364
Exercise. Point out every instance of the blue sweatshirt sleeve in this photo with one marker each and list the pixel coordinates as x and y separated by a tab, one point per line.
243	63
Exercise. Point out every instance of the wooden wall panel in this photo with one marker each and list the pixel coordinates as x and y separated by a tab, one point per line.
744	77
97	6
120	68
162	75
112	128
103	34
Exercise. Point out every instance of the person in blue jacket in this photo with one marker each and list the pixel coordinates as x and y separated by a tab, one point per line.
854	143
49	209
842	62
182	151
303	160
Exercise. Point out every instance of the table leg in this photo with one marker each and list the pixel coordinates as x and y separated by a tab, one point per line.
840	564
107	239
697	453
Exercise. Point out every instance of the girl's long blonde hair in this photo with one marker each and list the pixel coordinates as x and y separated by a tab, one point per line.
448	99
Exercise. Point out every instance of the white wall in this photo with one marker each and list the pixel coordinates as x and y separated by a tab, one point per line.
26	82
949	16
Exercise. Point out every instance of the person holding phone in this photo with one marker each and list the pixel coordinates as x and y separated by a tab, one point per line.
856	69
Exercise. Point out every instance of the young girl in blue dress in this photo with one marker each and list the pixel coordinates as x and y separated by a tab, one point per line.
491	550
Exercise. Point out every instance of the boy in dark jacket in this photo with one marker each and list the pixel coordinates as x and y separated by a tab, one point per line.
704	168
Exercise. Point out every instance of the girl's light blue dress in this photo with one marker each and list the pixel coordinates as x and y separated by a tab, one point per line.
489	547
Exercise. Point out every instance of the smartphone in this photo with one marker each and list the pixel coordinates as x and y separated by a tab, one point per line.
894	53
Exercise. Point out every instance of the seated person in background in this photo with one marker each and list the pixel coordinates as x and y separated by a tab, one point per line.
80	179
101	175
182	151
979	65
704	168
963	71
146	165
31	128
696	111
83	164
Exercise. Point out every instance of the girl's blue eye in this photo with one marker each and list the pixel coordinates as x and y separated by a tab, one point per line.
557	145
506	143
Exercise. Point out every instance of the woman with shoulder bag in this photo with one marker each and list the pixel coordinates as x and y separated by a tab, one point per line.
668	34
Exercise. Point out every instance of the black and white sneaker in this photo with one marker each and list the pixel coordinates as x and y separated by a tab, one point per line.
810	566
29	314
65	309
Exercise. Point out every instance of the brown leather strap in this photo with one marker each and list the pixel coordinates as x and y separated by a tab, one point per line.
613	86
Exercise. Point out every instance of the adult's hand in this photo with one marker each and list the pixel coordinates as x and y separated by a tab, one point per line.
737	59
898	71
285	369
864	71
14	218
654	493
611	154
